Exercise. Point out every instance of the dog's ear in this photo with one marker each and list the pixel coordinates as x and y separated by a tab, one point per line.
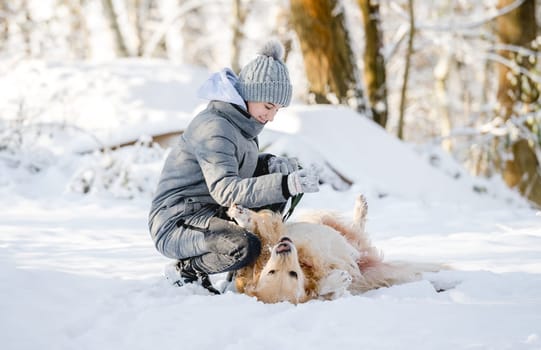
304	298
305	264
251	291
310	280
240	285
257	274
278	227
304	260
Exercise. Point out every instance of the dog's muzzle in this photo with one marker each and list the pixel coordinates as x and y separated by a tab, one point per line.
284	245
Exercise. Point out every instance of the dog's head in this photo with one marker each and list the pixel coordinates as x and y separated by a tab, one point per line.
282	278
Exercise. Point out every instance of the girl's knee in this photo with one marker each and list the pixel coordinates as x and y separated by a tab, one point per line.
227	239
252	249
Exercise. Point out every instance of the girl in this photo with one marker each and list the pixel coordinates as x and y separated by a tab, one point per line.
216	164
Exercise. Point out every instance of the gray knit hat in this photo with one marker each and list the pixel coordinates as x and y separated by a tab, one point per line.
266	79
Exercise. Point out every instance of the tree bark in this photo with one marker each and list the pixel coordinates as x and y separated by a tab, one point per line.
403	93
327	53
4	25
374	62
110	14
140	12
26	29
518	28
283	29
239	17
192	31
79	34
443	108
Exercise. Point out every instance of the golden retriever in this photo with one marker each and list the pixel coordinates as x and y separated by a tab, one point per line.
321	257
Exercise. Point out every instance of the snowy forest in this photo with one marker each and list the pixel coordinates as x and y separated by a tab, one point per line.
429	109
460	75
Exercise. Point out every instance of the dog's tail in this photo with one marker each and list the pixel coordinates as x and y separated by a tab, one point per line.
386	274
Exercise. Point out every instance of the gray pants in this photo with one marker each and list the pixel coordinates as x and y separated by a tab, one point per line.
213	244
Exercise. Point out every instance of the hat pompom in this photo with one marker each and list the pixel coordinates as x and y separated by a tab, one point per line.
265	78
273	48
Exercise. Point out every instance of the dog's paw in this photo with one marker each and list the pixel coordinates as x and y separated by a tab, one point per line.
335	283
360	211
361	206
241	215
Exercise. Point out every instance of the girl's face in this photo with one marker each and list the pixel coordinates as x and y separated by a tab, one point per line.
263	112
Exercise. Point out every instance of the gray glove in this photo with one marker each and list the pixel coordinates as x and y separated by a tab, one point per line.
282	165
303	181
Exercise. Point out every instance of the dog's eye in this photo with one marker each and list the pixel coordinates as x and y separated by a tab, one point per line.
293	274
271	272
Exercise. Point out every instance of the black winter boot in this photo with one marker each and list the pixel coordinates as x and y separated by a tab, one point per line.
182	272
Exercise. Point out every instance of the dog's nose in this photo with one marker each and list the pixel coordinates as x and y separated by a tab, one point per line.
283	247
286	239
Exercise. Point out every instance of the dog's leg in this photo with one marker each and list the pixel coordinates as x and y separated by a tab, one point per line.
335	284
243	216
359	239
359	213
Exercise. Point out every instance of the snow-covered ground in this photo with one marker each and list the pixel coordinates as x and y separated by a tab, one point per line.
79	271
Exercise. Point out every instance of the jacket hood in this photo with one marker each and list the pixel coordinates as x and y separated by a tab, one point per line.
239	117
220	86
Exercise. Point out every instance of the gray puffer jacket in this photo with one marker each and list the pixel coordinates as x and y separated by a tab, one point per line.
214	163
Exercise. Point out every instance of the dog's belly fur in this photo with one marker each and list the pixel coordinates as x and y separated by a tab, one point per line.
326	245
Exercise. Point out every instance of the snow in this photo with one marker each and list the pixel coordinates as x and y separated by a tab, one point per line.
79	271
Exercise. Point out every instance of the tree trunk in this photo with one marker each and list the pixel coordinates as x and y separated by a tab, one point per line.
403	93
110	14
4	25
143	14
374	62
516	90
192	31
26	29
283	30
79	35
140	12
239	17
443	108
518	28
327	53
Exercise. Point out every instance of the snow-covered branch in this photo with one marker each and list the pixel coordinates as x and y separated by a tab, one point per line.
185	8
514	66
459	25
521	50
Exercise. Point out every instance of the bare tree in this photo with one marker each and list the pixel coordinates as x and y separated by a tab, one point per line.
4	24
374	62
26	28
140	12
328	57
283	29
195	52
145	15
441	81
120	42
409	52
518	95
240	11
79	35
